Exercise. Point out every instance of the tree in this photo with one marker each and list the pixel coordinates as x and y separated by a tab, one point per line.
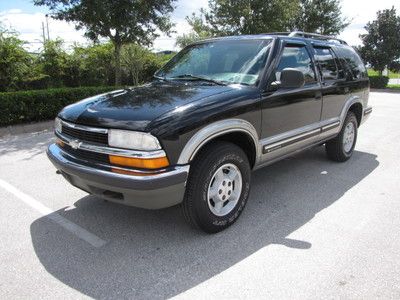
199	31
52	60
230	17
320	16
381	44
394	66
123	22
133	61
14	60
90	66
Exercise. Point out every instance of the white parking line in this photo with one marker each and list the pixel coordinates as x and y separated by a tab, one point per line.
80	232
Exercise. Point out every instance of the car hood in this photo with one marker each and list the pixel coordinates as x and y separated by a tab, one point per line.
135	108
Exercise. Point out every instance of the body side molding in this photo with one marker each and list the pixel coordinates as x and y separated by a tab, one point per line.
329	126
214	130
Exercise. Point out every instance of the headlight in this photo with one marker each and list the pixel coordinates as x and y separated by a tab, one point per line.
58	125
132	140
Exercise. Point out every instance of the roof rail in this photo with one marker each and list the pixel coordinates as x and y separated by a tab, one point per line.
316	36
277	33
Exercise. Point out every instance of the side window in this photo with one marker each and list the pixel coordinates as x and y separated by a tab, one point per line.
354	63
327	64
298	58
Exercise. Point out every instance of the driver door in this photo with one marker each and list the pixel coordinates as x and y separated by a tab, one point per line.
291	112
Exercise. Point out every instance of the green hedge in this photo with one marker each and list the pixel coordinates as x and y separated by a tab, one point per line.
41	105
378	82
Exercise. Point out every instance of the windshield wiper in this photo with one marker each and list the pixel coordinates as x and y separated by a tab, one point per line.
195	77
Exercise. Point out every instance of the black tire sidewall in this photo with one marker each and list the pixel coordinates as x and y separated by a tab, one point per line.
206	219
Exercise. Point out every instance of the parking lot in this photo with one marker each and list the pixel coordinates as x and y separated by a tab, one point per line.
312	229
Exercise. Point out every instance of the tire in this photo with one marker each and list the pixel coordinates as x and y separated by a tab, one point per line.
337	149
215	174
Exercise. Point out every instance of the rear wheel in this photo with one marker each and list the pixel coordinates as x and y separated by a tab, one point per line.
342	146
218	187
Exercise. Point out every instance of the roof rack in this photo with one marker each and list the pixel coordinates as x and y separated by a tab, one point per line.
277	33
316	36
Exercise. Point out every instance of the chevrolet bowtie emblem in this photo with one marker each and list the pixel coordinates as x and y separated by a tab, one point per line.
75	144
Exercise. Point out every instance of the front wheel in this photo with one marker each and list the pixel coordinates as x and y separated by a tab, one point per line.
341	147
218	187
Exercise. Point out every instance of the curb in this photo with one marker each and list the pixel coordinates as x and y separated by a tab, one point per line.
393	91
26	128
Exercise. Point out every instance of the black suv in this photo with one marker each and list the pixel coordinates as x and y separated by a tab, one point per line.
217	110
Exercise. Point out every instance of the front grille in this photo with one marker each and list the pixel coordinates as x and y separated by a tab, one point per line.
87	155
86	136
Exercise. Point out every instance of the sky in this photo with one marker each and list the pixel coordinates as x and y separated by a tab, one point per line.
24	17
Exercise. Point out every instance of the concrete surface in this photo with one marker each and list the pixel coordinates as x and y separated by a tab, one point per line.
312	229
26	128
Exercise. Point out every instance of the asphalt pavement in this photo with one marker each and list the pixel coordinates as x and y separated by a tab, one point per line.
312	229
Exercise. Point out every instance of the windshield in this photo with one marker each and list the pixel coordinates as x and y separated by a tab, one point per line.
225	61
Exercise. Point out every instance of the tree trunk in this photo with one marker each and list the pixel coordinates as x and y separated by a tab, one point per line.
117	56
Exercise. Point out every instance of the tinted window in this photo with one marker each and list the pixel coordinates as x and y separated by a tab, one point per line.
327	64
350	58
230	61
297	58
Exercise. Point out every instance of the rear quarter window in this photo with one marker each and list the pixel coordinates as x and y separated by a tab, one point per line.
352	61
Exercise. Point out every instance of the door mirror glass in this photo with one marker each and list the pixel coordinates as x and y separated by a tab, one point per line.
292	78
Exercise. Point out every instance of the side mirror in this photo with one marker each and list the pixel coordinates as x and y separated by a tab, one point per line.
292	78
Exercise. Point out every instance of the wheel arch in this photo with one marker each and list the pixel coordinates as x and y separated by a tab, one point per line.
357	109
237	131
355	105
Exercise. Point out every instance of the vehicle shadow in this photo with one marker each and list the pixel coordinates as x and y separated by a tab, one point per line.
154	254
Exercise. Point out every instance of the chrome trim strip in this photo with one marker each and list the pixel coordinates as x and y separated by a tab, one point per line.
104	165
330	126
147	175
286	142
297	135
76	144
216	129
267	162
84	128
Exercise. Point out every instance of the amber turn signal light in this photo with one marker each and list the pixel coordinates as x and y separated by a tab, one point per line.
60	143
142	163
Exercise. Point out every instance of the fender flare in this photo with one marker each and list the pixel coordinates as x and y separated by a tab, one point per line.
352	100
214	130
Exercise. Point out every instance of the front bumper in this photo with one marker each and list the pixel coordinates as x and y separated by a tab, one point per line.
150	191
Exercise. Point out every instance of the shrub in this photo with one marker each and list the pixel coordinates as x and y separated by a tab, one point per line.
378	82
41	105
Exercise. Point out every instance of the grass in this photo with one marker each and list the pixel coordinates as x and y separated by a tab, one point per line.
392	75
393	86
